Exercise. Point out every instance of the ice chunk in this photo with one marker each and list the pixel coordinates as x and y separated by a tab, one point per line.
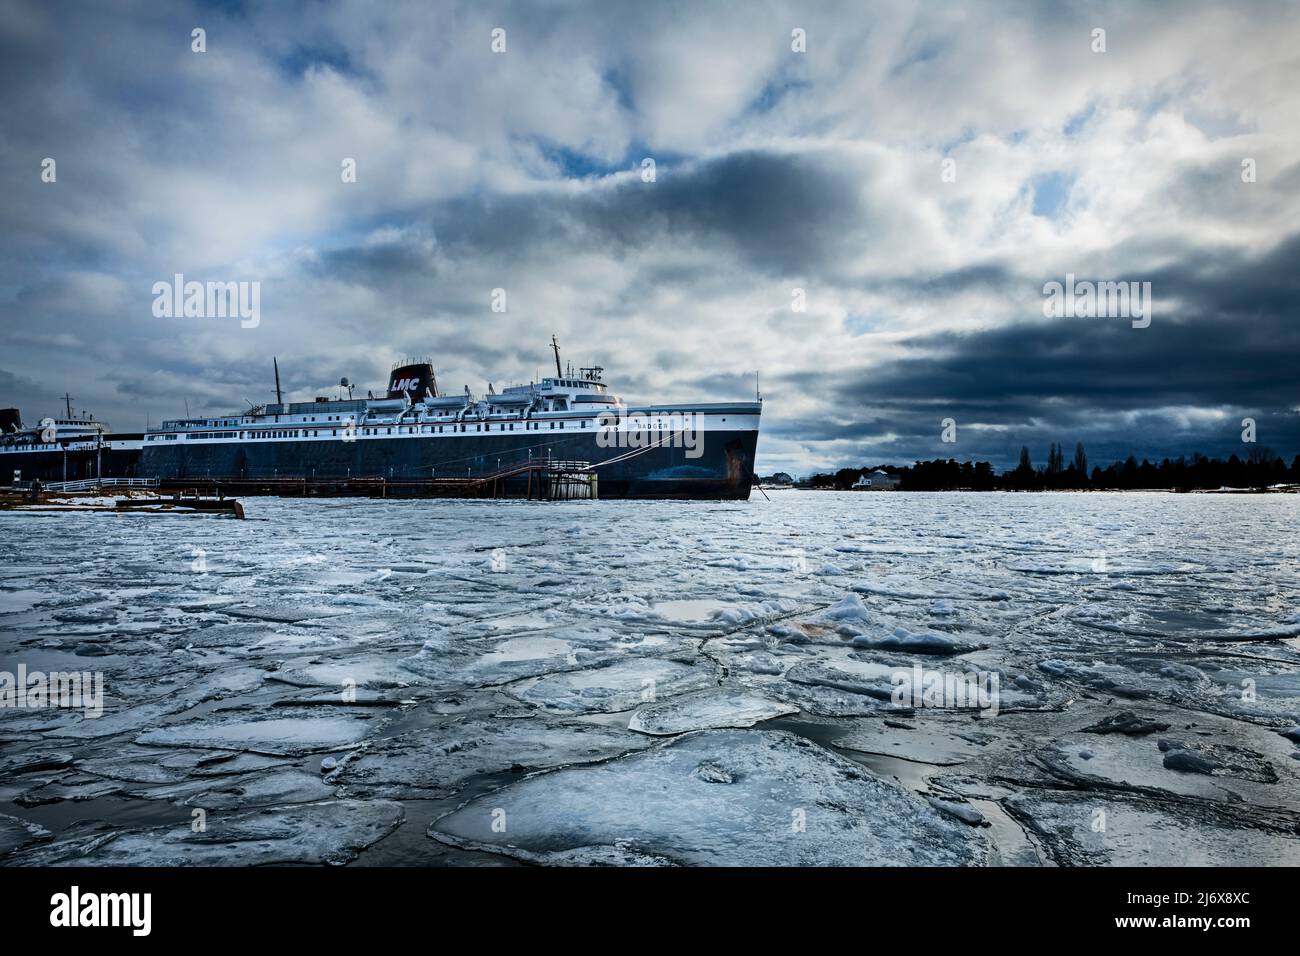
505	658
868	678
725	707
434	762
298	734
33	761
619	686
330	832
1219	771
915	642
717	797
1139	832
1125	722
257	790
1190	761
370	673
284	612
962	810
16	834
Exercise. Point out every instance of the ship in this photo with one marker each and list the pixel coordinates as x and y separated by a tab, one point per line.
416	433
66	449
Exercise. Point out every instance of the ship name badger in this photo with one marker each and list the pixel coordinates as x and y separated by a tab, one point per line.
633	430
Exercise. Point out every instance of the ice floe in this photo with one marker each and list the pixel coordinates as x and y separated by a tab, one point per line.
724	707
438	760
295	734
619	686
721	797
331	832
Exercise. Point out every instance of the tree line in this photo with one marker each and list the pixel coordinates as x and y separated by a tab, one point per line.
1260	468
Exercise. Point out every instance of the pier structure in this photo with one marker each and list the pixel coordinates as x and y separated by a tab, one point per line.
535	479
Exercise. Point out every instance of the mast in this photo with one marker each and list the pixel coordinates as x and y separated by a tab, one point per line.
556	345
279	399
67	399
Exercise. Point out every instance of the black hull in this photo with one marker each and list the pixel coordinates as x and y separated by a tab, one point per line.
75	466
725	470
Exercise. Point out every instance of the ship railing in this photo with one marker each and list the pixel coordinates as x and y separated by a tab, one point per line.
90	484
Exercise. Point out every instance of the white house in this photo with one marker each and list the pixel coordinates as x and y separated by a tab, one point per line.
876	481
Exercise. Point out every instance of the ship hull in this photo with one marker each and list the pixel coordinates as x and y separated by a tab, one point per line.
723	468
47	466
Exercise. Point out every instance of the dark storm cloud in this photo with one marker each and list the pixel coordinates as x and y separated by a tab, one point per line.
1232	342
781	213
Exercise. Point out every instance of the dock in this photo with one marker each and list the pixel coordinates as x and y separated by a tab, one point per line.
142	497
536	479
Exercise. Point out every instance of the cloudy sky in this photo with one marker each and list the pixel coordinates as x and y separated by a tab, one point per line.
775	170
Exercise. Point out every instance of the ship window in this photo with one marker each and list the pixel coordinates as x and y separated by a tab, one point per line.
561	424
390	431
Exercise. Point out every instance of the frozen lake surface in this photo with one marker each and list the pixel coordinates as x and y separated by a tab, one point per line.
486	683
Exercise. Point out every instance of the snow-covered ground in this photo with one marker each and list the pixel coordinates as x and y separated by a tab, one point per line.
661	682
